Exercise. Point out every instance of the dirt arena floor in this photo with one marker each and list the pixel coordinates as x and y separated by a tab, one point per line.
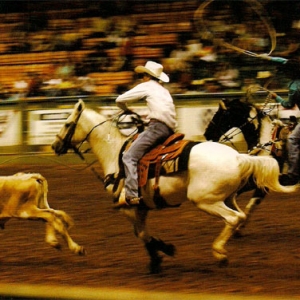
265	261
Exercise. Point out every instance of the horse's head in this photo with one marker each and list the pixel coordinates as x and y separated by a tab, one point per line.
219	124
66	138
234	113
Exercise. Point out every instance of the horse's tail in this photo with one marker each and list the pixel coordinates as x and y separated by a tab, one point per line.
265	172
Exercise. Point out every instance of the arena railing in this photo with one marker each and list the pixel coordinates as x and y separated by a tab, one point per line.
27	125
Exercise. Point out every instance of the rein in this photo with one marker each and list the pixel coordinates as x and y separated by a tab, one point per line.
238	130
261	112
76	149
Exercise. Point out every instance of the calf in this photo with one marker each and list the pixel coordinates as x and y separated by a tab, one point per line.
24	196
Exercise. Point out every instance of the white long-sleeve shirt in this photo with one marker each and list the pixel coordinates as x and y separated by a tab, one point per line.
159	101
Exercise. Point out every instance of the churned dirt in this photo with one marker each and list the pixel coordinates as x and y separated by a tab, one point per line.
266	260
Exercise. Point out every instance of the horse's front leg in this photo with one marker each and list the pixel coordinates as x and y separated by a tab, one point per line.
138	217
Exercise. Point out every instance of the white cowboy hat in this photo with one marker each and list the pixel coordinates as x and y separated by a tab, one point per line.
154	69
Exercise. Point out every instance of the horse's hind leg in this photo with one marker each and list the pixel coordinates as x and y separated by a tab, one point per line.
255	200
138	217
232	217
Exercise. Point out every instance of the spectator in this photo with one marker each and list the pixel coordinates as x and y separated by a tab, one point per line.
127	51
34	85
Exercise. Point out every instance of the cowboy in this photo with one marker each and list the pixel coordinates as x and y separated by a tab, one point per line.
162	124
291	68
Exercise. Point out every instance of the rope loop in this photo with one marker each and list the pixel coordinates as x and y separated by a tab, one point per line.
256	6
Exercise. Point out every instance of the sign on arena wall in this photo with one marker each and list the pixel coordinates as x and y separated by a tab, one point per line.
10	128
45	124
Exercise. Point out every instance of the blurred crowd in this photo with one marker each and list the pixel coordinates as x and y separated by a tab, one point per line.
106	37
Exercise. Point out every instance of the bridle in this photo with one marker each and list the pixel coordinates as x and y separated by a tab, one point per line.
259	115
67	140
238	130
221	131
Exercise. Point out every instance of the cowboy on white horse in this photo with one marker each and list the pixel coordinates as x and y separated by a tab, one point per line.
162	124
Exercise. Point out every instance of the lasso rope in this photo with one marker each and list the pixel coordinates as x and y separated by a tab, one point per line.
252	89
259	10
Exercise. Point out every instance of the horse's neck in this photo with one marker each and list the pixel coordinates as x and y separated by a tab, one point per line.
107	150
106	142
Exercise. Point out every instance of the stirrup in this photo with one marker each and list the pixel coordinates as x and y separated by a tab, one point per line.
126	202
133	200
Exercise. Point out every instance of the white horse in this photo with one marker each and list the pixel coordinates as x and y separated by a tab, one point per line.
213	177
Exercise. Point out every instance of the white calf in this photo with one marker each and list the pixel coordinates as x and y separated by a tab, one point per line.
24	196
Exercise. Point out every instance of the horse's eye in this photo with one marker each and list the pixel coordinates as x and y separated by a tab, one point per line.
67	125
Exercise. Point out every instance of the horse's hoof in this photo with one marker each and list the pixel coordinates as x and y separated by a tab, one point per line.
170	249
221	257
56	245
223	263
238	234
155	270
81	251
155	266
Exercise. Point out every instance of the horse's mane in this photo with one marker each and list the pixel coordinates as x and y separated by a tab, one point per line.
243	115
242	107
94	114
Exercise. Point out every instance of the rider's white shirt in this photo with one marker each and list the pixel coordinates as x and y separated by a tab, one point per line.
158	98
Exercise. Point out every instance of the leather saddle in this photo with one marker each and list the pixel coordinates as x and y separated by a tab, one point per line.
156	158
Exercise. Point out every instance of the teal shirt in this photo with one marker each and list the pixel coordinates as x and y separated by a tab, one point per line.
294	89
278	59
293	96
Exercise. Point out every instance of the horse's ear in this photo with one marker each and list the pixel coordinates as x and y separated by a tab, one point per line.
222	105
80	105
